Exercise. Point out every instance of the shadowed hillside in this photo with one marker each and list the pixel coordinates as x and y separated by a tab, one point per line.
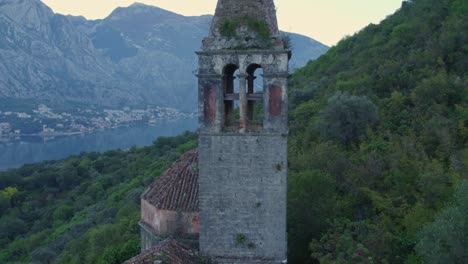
379	139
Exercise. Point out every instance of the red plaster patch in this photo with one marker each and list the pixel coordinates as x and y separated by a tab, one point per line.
274	100
196	224
210	103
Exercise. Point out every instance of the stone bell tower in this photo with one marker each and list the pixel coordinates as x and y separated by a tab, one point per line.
243	135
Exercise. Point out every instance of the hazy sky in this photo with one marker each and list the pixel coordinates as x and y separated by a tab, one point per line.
324	20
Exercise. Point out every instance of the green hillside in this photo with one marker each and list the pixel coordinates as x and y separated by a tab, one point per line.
378	160
84	209
379	129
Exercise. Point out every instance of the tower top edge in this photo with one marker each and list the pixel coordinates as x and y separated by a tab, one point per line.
244	24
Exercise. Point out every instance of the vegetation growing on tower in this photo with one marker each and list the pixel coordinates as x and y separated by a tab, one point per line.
231	27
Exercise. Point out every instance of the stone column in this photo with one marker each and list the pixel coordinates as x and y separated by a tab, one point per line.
275	102
210	102
250	83
242	103
250	90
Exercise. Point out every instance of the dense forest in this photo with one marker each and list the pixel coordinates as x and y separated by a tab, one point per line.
84	209
378	157
378	160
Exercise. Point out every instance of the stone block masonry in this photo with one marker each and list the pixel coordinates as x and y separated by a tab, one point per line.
231	9
242	159
243	189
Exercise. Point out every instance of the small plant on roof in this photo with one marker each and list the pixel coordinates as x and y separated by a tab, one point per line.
229	27
287	41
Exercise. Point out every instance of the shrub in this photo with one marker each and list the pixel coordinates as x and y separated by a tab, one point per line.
444	240
347	117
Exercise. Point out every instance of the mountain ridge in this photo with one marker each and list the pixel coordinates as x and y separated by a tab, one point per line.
125	59
44	57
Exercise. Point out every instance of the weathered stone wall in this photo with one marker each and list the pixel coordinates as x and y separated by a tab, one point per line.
148	237
243	185
232	9
211	96
240	13
242	174
170	223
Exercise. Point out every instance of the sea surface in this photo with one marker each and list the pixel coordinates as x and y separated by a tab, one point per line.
31	149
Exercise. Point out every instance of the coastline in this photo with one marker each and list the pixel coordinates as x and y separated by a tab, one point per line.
58	134
17	151
5	138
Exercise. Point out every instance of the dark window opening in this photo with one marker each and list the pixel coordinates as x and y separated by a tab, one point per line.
231	98
251	117
255	112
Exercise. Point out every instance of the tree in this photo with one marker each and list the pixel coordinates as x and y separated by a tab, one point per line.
129	250
43	255
10	227
9	194
62	213
347	117
310	204
352	242
445	239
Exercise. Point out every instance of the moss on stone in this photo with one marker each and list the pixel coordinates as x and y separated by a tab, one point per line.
240	239
229	27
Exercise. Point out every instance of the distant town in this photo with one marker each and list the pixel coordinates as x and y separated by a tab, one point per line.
44	121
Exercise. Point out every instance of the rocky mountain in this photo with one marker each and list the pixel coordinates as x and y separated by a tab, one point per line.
138	55
152	46
44	57
304	49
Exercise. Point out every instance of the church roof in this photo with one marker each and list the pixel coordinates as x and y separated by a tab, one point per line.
177	188
168	251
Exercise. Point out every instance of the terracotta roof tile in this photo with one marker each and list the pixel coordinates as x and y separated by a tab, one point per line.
168	251
177	188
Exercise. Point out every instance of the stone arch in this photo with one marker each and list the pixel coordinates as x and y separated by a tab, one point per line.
255	90
231	96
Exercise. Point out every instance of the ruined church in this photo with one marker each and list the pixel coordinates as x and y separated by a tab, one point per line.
226	202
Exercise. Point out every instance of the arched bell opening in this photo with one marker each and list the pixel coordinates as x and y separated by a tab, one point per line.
255	109
231	97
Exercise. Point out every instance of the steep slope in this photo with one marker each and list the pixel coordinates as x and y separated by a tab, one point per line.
304	50
43	57
380	124
138	55
84	209
156	47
